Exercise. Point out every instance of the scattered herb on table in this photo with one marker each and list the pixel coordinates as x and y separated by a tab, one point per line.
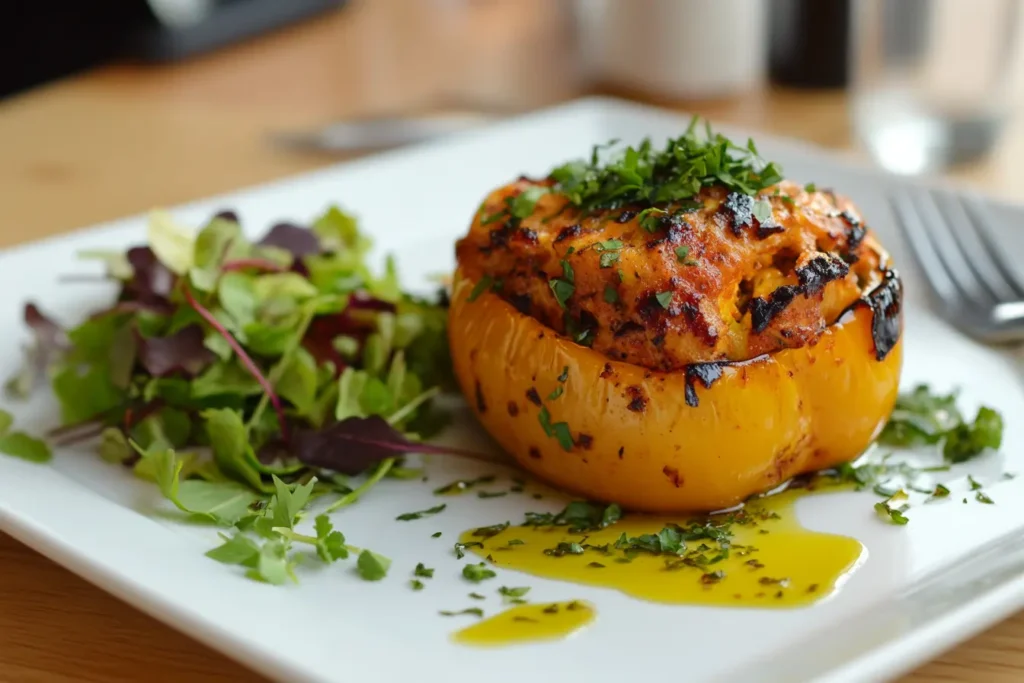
423	571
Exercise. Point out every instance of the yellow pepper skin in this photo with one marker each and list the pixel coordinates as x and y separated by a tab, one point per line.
636	440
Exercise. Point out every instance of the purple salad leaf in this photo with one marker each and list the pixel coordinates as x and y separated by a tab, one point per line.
292	238
152	282
357	443
180	353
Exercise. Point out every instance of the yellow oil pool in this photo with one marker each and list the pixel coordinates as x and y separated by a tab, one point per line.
759	556
525	623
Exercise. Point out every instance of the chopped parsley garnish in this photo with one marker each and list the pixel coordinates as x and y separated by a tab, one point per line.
981	497
892	509
516	541
941	491
650	219
614	177
562	289
568	274
608	245
410	516
489	531
611	295
556	392
474	611
461	547
974	483
810	187
477	596
424	571
763	210
923	418
609	259
578	516
523	204
565	548
559	430
664	299
564	376
436	534
513	595
416	584
482	285
477	572
460	485
491	494
682	255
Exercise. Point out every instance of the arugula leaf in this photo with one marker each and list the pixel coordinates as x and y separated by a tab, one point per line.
289	501
172	243
221	502
21	445
238	549
273	564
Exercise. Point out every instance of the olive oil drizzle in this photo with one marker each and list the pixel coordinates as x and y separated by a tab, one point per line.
757	556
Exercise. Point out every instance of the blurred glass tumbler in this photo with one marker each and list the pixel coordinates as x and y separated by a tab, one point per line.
933	79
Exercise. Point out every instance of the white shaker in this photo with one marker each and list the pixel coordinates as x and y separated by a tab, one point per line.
680	49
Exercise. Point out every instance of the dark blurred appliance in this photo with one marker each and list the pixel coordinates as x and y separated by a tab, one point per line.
45	39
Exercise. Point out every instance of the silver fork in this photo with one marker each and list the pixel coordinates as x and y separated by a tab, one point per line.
979	289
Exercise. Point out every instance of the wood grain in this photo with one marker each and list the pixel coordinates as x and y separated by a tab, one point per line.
126	138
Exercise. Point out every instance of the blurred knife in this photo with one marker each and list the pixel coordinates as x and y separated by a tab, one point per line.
384	132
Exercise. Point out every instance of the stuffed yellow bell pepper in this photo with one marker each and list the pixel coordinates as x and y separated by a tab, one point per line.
675	330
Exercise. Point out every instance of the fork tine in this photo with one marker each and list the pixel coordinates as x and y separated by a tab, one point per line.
980	256
940	233
924	252
976	210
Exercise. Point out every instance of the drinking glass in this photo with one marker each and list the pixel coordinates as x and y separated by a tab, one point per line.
933	80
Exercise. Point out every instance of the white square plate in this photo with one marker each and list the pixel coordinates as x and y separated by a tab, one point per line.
914	595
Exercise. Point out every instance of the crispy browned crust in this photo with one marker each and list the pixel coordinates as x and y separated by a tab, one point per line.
746	287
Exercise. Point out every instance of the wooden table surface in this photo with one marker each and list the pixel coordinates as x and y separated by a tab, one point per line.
125	138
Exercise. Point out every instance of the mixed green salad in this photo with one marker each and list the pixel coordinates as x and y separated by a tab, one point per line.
247	378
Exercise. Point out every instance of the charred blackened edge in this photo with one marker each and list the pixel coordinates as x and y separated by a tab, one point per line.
886	304
705	373
812	277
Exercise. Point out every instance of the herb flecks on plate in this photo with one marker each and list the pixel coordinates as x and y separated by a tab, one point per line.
248	378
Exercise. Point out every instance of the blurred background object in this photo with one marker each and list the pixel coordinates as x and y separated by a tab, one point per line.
45	39
809	43
680	49
933	79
